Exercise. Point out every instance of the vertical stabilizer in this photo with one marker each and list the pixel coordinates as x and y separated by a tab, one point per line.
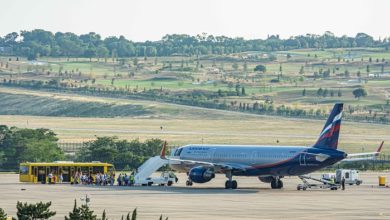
329	136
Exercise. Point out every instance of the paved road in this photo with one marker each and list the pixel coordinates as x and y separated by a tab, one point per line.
254	200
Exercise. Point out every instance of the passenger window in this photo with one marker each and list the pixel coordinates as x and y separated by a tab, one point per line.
346	175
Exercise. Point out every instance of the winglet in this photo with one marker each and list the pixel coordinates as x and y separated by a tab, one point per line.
163	149
380	148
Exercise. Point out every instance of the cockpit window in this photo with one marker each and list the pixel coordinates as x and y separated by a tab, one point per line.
178	151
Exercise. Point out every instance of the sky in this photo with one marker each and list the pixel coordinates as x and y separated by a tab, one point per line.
140	20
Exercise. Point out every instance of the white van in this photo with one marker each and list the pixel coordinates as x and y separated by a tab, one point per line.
351	176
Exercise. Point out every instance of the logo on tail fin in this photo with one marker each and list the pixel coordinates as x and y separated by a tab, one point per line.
329	136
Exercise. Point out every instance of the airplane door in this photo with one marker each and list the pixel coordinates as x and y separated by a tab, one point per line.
302	159
254	157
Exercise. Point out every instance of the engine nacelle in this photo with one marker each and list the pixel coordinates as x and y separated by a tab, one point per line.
201	174
266	179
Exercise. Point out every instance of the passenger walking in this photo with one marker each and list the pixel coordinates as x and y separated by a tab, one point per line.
49	177
343	183
61	178
126	179
112	179
119	180
131	179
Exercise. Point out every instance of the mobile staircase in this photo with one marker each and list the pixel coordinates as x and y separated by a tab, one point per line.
142	176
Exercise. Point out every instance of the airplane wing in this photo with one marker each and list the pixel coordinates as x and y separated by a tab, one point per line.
364	156
218	166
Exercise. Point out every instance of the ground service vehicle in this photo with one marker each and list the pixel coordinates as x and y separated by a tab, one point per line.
351	176
38	172
166	179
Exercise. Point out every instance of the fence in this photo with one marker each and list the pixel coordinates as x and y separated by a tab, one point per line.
70	147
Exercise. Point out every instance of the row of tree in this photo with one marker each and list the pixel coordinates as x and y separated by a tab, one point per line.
200	98
39	42
122	153
41	210
19	145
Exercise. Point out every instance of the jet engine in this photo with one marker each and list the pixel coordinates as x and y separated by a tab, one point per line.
201	174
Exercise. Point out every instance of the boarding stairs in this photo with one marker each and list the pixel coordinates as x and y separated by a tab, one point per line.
148	168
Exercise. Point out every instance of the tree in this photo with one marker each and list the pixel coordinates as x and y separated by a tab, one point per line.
75	214
346	73
319	92
102	52
260	68
360	92
325	93
304	92
235	66
86	213
302	70
368	69
339	93
35	145
134	215
3	215
281	69
39	210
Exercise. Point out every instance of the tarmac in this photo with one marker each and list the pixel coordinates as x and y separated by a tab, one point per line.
253	199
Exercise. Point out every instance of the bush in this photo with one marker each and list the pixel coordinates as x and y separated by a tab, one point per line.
39	210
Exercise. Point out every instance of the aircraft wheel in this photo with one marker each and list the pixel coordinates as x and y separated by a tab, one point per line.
228	184
188	183
234	184
276	184
280	184
273	184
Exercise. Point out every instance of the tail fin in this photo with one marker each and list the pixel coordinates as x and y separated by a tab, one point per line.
329	136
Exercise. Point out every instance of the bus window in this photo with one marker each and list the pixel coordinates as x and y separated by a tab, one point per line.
85	170
98	169
54	170
111	169
23	170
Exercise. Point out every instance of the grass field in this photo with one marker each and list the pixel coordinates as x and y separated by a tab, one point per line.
216	127
185	124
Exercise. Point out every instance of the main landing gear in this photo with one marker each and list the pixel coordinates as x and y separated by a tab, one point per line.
230	184
188	182
276	183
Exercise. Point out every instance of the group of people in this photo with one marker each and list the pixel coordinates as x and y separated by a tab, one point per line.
126	180
101	179
52	179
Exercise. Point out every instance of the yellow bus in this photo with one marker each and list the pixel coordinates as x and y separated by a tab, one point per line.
38	172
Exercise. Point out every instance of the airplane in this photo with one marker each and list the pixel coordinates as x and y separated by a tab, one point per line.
269	163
